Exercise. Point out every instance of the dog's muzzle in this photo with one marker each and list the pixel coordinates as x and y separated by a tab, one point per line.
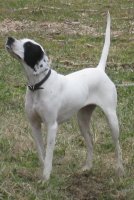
9	47
10	41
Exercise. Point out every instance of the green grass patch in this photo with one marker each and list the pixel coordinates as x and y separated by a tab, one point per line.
72	33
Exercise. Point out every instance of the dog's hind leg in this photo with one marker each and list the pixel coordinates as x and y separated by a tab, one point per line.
84	116
114	126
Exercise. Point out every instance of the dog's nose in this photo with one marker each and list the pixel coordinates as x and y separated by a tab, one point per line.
10	41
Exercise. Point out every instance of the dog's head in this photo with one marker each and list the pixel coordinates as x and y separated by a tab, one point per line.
29	52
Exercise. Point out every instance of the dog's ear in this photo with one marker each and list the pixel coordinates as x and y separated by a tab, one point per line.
33	54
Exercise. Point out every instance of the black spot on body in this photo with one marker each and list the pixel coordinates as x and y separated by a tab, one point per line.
32	54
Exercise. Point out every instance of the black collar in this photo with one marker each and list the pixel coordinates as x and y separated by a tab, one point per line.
37	85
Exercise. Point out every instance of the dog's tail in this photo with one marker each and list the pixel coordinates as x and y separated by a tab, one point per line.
104	55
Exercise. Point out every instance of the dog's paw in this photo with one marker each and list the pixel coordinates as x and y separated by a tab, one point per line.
46	175
45	178
86	167
120	171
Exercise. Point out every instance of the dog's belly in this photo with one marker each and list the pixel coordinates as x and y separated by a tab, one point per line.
71	106
66	115
80	89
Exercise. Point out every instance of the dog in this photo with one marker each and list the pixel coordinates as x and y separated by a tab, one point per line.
52	98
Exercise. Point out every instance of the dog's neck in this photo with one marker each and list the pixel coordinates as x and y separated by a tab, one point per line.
38	73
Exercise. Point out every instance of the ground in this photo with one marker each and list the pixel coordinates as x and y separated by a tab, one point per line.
72	33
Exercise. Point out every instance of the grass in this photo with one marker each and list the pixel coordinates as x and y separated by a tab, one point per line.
72	33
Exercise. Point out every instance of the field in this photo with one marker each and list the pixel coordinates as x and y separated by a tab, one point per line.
72	32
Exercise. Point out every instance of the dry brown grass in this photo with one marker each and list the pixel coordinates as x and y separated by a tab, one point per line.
73	33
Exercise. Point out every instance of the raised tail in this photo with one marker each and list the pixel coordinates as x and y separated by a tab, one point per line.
104	55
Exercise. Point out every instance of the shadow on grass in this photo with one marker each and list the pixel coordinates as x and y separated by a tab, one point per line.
96	186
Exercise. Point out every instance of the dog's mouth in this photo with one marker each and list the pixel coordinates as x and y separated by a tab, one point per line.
12	53
9	47
9	44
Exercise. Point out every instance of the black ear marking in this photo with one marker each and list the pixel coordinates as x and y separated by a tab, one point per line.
32	54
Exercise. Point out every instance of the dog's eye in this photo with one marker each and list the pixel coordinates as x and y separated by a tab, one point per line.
41	65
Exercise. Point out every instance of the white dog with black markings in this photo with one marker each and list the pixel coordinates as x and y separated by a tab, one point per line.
52	98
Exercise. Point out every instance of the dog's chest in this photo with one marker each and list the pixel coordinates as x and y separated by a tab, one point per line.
34	105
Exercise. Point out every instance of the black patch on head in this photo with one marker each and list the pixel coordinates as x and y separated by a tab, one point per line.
32	54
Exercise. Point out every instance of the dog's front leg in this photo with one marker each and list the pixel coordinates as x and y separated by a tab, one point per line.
37	135
51	136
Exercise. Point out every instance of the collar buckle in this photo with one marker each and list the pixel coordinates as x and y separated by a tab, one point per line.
31	87
37	85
